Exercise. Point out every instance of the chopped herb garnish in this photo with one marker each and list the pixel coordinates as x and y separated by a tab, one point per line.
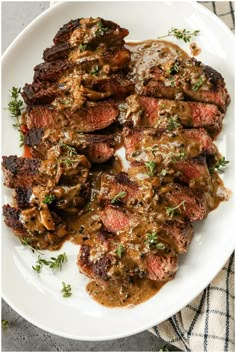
164	348
66	290
48	199
152	167
221	163
5	324
69	162
172	211
118	197
183	34
27	243
55	263
174	69
163	172
152	241
120	250
15	107
198	84
175	157
95	70
173	123
71	150
101	29
82	47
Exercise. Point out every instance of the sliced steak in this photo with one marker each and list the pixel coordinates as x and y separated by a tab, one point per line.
29	224
51	71
141	111
165	147
19	171
87	119
116	219
113	186
161	268
192	81
39	93
179	234
189	204
22	197
97	148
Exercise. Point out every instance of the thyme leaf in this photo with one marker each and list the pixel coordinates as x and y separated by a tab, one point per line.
48	199
55	263
5	324
221	163
198	84
27	243
172	211
181	34
152	167
15	107
66	290
118	197
101	29
71	150
120	250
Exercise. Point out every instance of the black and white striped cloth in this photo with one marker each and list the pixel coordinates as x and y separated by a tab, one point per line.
207	323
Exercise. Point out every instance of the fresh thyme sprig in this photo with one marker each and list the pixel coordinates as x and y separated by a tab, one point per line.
71	150
151	167
55	263
173	123
66	290
198	84
152	241
27	243
120	250
15	107
5	324
182	34
95	70
82	47
221	163
118	197
172	211
48	199
101	29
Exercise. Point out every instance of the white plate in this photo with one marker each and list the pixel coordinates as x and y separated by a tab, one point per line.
37	297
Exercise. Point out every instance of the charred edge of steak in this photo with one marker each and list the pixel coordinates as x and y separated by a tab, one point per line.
51	71
97	270
123	178
22	197
39	93
59	51
19	165
212	75
65	31
12	218
100	138
33	137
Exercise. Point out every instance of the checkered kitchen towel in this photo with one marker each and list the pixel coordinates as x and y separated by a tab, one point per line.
207	323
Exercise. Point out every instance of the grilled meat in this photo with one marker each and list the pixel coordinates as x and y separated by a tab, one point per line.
191	81
25	172
87	119
167	147
141	111
97	148
41	228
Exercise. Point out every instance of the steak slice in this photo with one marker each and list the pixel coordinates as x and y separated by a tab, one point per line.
192	81
188	204
193	172
178	233
161	268
19	171
28	224
87	119
116	219
141	111
166	147
25	172
51	71
22	197
87	32
113	186
97	148
39	93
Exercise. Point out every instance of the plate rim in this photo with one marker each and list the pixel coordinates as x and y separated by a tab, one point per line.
131	332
